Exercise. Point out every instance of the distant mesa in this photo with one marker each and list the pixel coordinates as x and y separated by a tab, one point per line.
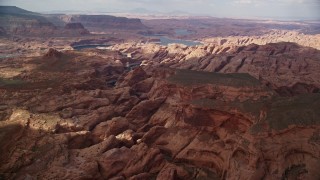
17	21
15	10
96	22
14	20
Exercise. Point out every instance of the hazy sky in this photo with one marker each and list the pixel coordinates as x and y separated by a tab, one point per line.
293	9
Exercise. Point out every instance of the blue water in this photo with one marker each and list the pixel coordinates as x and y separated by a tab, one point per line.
165	41
89	46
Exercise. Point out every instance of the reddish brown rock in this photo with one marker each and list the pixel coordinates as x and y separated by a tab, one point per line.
277	65
110	127
52	53
164	123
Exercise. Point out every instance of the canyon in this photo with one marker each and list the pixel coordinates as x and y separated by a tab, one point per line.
238	106
158	121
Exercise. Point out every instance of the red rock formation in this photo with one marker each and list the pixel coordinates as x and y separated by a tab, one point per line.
158	122
275	36
52	53
276	65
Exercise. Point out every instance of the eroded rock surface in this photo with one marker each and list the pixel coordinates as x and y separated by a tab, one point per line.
61	119
273	36
284	67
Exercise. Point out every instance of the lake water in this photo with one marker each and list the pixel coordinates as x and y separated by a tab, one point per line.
165	41
78	48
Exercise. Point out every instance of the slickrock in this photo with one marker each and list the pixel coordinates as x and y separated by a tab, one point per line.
275	36
65	121
283	66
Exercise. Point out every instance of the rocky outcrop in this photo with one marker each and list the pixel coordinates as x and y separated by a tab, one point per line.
52	53
277	65
275	36
26	24
65	122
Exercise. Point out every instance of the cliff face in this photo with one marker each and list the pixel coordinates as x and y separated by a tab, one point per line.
90	118
94	22
16	21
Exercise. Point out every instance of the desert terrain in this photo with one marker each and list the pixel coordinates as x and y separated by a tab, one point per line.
105	97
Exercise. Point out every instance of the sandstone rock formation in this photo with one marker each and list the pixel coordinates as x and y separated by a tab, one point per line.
274	36
62	120
52	53
276	65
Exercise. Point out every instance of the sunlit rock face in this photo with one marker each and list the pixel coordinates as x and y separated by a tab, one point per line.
275	36
243	105
282	66
244	113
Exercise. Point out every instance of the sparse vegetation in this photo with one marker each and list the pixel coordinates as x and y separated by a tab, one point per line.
189	78
231	107
11	82
301	110
249	107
